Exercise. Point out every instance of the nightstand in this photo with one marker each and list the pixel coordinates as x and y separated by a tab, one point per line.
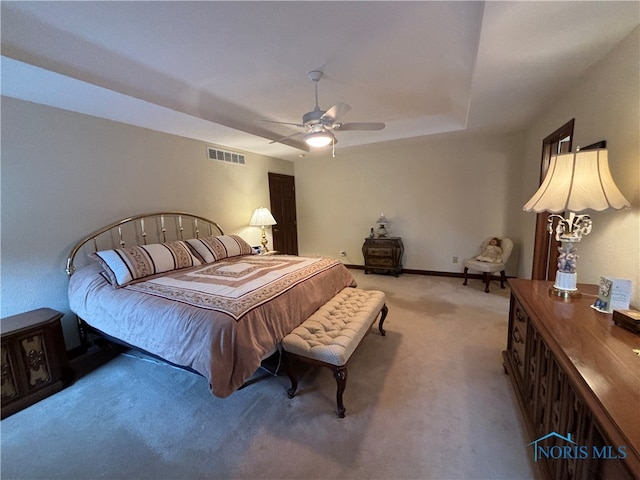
383	255
33	358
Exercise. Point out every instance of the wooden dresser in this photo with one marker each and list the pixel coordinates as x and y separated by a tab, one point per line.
383	255
577	381
34	359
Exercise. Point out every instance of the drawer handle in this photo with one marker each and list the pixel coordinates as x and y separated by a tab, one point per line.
516	336
516	359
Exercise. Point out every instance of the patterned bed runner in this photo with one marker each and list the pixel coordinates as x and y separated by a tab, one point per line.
235	285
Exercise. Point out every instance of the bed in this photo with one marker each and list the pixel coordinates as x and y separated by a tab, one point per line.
174	285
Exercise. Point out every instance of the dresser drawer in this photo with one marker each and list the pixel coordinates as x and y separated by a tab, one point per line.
519	315
518	342
380	262
380	252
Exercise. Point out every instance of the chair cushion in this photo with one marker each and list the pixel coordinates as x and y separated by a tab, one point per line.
480	266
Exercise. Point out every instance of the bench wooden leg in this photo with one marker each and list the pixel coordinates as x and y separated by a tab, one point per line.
287	364
340	374
294	385
384	311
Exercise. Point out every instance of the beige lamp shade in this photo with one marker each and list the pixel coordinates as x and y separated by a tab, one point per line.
577	182
262	217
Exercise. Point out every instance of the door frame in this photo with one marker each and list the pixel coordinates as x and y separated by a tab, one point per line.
545	248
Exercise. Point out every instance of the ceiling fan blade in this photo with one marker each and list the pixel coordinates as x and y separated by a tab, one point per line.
285	138
281	123
358	126
336	111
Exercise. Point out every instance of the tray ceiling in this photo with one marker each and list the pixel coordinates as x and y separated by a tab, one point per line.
210	70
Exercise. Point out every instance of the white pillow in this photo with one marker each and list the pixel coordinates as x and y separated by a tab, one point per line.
124	265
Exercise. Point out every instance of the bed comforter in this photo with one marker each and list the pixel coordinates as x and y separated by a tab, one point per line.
219	319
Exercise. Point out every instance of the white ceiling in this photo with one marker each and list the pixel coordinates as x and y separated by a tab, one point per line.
210	70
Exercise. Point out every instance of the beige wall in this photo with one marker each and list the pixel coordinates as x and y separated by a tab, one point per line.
443	194
66	174
606	106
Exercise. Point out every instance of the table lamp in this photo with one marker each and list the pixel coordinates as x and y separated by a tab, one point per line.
575	183
382	222
260	218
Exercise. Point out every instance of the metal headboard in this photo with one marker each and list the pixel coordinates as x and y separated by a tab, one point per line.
157	227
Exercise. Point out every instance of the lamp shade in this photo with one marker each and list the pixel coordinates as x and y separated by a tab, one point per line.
261	217
577	182
382	219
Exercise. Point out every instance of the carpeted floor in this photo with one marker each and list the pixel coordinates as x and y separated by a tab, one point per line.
430	400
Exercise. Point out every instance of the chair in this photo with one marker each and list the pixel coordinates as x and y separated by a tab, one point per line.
487	268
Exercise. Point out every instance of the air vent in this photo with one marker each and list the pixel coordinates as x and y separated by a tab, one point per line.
223	156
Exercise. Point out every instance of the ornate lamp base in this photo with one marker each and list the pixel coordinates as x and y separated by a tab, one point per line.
566	294
263	241
566	282
569	231
382	231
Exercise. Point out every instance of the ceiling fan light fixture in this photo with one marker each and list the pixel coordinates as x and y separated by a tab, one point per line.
319	139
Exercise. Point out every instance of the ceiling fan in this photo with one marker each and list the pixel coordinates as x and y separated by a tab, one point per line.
319	124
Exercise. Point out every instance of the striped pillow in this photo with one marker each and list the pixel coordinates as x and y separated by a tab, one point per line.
124	265
218	247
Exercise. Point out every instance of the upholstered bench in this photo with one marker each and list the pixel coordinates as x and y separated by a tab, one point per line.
331	335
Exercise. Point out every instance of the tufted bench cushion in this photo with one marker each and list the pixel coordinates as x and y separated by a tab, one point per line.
334	331
331	335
